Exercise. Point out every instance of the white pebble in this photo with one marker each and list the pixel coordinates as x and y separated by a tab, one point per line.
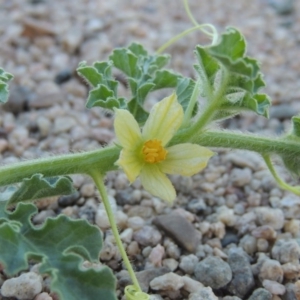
26	286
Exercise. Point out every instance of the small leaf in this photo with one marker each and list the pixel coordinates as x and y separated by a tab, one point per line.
98	95
60	245
184	91
126	61
4	79
90	74
165	79
138	49
38	187
232	45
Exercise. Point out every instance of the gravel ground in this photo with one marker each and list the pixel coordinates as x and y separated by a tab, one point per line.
244	232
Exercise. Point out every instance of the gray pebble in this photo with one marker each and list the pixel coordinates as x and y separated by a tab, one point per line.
169	281
68	200
176	227
147	236
204	293
248	243
231	298
170	263
135	223
240	177
213	271
242	281
188	263
286	251
261	294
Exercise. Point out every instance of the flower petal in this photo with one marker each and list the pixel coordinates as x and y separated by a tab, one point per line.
157	183
130	163
165	119
127	129
185	159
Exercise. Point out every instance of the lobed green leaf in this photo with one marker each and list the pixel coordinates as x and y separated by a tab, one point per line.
226	63
61	246
38	187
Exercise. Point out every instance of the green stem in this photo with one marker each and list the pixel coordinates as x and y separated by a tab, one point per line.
280	182
98	179
189	111
238	140
214	102
104	159
214	33
78	163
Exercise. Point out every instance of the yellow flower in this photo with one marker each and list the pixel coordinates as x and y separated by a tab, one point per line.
145	153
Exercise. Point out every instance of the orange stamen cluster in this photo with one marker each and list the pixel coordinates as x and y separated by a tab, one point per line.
154	152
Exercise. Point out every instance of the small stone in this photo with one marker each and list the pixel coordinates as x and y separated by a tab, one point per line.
292	292
265	232
126	235
144	277
292	226
213	271
232	298
41	217
68	200
172	250
43	296
290	205
44	125
135	223
3	145
196	206
141	211
191	285
283	111
72	39
63	76
63	124
218	229
270	216
262	245
170	263
226	216
169	281
156	255
147	236
133	249
242	278
240	177
33	28
229	238
108	250
26	286
274	287
248	243
87	190
286	251
261	294
271	270
245	159
18	98
291	270
176	227
188	263
204	293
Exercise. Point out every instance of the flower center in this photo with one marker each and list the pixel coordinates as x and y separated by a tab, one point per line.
154	152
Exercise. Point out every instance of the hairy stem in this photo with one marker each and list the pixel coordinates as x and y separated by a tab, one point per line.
98	179
280	182
77	163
